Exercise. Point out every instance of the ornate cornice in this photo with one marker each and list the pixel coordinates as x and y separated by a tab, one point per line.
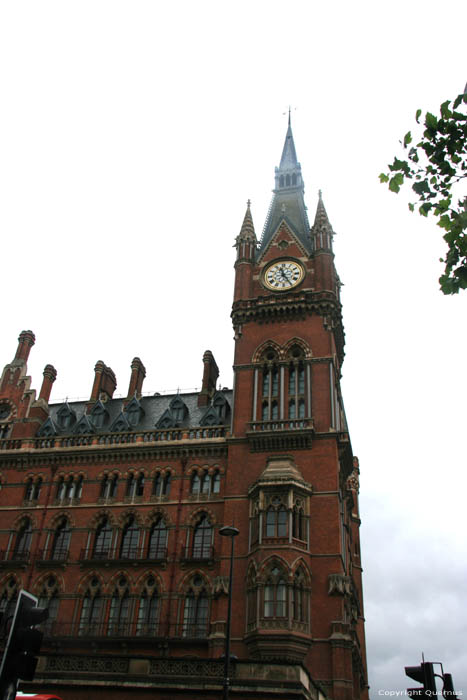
274	307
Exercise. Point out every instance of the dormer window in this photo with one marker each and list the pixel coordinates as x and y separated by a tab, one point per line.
66	418
99	415
134	412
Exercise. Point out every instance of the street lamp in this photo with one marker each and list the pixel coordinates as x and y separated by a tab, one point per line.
232	532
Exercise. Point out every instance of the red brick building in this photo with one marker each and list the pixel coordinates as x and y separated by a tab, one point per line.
110	508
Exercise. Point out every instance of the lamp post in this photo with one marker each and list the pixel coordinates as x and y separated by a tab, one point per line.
232	532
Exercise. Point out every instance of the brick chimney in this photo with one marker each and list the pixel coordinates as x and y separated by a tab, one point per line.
50	375
138	373
210	375
25	342
104	382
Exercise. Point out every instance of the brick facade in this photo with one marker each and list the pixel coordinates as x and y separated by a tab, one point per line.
110	509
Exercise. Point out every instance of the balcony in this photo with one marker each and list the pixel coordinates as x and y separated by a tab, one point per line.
126	629
131	555
12	558
291	433
136	438
199	555
57	556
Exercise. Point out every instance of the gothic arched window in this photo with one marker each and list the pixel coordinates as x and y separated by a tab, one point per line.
148	613
61	541
202	539
90	622
157	545
161	484
276	519
275	594
103	540
299	598
196	610
135	485
119	615
130	540
109	486
23	540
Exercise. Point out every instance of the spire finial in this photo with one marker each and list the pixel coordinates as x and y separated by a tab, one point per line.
320	194
289	115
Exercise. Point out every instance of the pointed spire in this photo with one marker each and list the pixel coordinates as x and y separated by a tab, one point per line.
247	232
321	230
288	202
289	155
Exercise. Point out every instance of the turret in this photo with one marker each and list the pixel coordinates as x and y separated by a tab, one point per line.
322	237
246	244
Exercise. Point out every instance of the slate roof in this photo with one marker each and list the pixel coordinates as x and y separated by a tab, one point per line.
152	409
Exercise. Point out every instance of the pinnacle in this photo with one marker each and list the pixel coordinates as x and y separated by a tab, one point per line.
248	230
321	218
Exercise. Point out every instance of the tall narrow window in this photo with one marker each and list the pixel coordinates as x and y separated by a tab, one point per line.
61	541
299	601
29	490
157	545
103	540
135	485
196	611
202	539
148	614
130	540
119	616
90	622
276	520
275	595
109	486
23	541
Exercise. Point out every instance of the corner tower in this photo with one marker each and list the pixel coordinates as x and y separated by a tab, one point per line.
290	454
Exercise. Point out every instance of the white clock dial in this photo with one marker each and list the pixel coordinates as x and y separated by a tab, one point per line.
283	275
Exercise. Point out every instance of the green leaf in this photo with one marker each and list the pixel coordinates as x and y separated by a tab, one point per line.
417	115
395	182
430	121
407	139
445	111
383	177
411	207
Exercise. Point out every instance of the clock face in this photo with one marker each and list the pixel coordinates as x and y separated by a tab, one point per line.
283	275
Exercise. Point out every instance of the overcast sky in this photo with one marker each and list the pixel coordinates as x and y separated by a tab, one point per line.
132	135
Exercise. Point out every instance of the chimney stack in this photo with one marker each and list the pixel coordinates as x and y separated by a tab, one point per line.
210	375
50	375
138	373
25	342
104	382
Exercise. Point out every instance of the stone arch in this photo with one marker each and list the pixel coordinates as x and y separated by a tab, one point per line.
114	582
261	351
301	345
124	517
57	518
97	518
21	519
198	513
141	582
187	581
271	562
42	582
154	516
85	583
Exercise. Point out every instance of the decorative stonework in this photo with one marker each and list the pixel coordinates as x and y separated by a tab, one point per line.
175	667
340	585
87	664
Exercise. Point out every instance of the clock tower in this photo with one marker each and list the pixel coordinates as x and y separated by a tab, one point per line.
291	467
